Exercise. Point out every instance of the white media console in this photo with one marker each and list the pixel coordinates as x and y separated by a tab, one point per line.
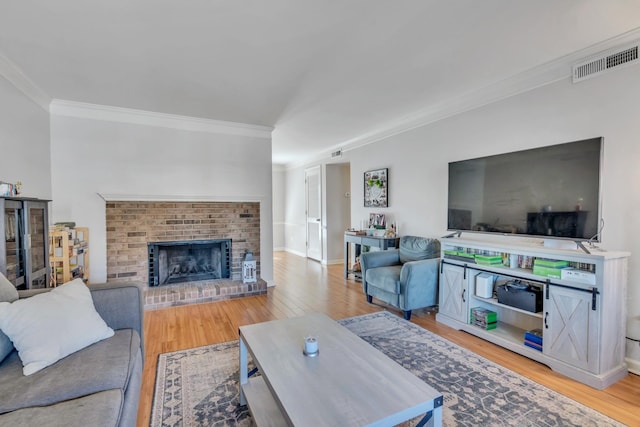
583	319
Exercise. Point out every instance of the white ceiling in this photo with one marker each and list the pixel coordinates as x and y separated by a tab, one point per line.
322	72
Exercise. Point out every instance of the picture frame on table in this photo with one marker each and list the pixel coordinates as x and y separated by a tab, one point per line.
377	220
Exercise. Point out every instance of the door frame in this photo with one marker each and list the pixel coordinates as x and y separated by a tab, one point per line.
311	253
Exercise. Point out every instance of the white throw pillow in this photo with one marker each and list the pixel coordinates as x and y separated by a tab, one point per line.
8	293
47	327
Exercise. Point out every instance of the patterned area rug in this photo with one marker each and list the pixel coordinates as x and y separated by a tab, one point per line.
199	387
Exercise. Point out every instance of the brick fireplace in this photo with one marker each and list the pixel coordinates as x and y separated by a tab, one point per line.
132	225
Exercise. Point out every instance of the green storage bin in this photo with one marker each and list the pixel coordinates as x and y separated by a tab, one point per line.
540	270
551	263
489	259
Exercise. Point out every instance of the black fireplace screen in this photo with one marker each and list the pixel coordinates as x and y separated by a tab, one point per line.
189	261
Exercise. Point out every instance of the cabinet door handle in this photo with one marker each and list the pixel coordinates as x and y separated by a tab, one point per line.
546	325
547	291
464	291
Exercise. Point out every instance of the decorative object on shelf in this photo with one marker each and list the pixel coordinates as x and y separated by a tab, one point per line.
249	268
8	189
391	231
376	190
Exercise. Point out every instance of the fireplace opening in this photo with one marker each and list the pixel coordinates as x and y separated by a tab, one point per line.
189	261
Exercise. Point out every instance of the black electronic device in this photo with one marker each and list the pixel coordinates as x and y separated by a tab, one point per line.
517	285
520	295
551	192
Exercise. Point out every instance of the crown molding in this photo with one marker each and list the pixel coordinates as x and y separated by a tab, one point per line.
83	110
542	75
24	84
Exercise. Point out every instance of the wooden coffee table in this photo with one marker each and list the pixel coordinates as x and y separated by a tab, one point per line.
349	383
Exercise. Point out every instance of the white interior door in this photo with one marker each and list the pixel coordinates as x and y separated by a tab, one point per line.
314	213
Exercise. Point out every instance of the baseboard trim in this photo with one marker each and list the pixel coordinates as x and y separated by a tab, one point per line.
633	365
291	251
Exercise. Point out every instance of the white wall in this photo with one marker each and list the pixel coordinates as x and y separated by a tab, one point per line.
561	112
24	142
154	163
279	194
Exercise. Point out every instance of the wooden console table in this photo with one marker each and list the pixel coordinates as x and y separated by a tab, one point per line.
383	243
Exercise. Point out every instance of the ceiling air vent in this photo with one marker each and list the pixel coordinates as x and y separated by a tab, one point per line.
605	62
336	154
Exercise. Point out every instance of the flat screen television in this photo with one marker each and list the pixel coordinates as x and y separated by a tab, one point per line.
552	192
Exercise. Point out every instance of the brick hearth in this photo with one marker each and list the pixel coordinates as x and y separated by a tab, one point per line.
131	225
200	292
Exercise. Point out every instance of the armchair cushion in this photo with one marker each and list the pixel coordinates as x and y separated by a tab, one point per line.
413	248
386	278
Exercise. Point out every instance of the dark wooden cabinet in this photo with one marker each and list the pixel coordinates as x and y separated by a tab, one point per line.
24	237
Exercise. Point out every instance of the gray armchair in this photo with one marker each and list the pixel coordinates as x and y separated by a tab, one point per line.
406	278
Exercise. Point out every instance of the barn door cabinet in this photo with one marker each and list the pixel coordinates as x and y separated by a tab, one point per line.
583	316
24	236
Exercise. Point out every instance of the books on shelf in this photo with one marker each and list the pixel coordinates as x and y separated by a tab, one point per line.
533	339
549	267
533	345
486	319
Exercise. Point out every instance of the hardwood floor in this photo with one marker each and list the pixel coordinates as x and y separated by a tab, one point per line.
304	286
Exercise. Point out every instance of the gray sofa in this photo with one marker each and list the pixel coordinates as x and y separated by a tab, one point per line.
96	386
406	278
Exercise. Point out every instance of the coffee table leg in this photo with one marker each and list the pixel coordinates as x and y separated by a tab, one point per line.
244	374
433	418
437	416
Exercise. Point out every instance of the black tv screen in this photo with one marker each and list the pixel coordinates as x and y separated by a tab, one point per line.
551	191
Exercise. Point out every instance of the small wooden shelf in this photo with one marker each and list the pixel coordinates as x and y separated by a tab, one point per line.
69	254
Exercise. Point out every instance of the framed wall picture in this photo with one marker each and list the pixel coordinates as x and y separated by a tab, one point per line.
376	191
